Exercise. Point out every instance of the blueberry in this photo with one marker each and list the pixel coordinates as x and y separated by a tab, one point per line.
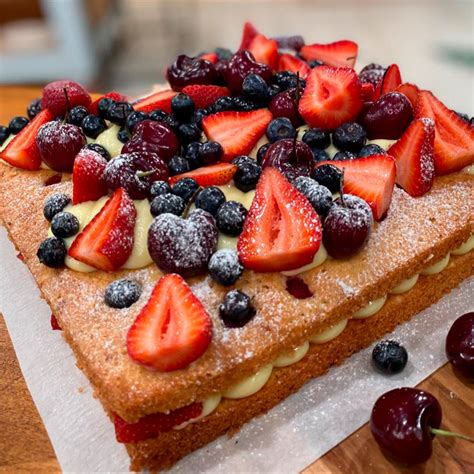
4	134
99	149
52	252
255	88
185	188
77	114
171	121
241	159
189	132
316	138
243	104
64	224
178	165
167	203
103	107
463	116
261	152
223	54
371	149
230	218
118	112
134	119
210	199
319	196
54	204
328	176
349	136
224	267
211	152
199	115
17	124
224	103
34	108
237	309
122	293
319	155
273	90
182	106
158	115
247	175
344	155
389	357
280	128
93	126
158	188
192	154
315	63
285	80
123	135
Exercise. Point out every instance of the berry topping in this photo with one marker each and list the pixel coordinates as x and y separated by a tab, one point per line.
93	126
183	246
210	152
185	188
167	203
282	230
4	134
54	204
99	149
247	174
264	51
410	91
414	155
298	288
172	330
178	166
280	128
158	188
390	81
316	138
339	54
77	114
112	97
318	196
160	100
344	155
34	108
54	97
192	154
371	149
64	224
248	34
134	119
210	199
107	241
187	71
288	62
223	104
236	310
52	252
118	112
182	106
328	176
204	96
122	293
17	124
460	345
123	135
54	323
237	132
288	80
320	155
213	175
261	152
189	132
224	267
349	136
389	357
284	105
230	218
332	96
372	74
255	88
347	226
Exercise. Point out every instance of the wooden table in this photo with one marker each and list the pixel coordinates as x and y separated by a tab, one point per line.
25	446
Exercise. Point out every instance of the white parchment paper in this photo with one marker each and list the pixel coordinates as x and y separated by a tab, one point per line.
287	439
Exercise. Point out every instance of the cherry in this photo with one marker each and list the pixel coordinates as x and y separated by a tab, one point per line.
155	137
283	105
185	71
298	288
372	73
388	117
290	156
460	345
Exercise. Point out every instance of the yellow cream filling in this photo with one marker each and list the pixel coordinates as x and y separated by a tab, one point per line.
437	267
405	285
371	308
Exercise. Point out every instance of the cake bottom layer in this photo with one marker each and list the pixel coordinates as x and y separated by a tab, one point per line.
230	415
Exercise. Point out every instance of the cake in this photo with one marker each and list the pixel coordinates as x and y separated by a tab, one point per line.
209	248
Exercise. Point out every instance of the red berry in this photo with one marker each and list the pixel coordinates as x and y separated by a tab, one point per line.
284	105
186	71
54	96
88	183
460	345
339	54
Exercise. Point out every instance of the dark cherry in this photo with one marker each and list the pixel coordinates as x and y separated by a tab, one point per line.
295	42
460	346
284	105
153	137
185	71
372	73
292	157
388	117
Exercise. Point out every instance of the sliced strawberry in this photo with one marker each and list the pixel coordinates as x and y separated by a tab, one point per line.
282	231
22	151
389	82
172	330
414	155
205	95
117	96
340	53
248	34
107	241
213	175
237	132
211	57
411	91
371	178
159	100
265	51
54	323
368	91
88	183
288	62
54	96
151	426
454	138
332	96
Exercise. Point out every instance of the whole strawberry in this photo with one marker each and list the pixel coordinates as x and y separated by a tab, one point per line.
54	97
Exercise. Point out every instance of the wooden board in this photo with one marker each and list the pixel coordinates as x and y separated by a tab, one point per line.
25	446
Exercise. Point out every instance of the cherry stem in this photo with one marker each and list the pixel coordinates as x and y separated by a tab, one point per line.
190	202
297	93
438	432
341	186
145	174
67	106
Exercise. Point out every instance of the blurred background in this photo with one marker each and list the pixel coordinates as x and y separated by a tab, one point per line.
125	45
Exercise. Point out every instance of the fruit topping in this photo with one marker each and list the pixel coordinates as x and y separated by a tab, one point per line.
210	152
77	114
294	42
413	153
98	149
64	224
22	151
225	267
236	310
204	96
288	62
339	54
17	124
54	323
282	230
187	71
167	203
213	175
93	126
230	218
454	138
185	188
460	346
4	134
280	128
237	132
410	91
34	108
329	176
172	330
110	97
118	112
158	100
316	138
255	89
54	204
178	166
389	357
122	293
248	173
288	80
390	81
210	199
332	97
189	132
123	135
248	34
134	119
284	104
107	241
388	117
319	196
183	246
182	106
54	97
158	188
298	288
52	252
264	51
349	136
372	74
371	149
368	91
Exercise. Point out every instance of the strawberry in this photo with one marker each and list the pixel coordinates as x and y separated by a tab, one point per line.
205	95
54	96
340	53
22	151
288	62
158	100
389	82
414	155
411	91
211	57
54	323
111	95
454	138
248	34
150	426
107	241
88	183
172	330
282	231
213	175
265	51
368	91
237	132
371	178
332	96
